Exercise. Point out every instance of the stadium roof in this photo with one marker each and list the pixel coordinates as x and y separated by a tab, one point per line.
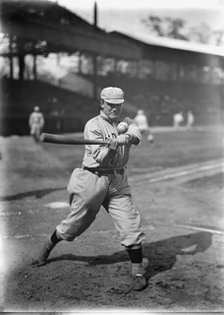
175	44
42	11
63	30
184	45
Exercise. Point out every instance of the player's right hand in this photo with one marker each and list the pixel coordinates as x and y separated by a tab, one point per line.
112	144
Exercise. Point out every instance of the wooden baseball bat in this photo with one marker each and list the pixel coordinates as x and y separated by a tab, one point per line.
59	139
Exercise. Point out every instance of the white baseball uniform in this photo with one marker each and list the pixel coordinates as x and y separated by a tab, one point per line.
102	182
36	123
142	122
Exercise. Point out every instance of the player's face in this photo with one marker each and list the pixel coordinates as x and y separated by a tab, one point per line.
113	111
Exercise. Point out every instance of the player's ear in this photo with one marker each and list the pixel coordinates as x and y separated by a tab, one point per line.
102	104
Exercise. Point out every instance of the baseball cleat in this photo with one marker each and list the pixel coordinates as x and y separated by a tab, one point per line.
42	259
139	282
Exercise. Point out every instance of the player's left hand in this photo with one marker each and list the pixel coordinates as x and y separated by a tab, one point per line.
123	139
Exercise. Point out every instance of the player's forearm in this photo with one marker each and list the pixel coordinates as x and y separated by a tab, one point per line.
134	139
104	156
133	132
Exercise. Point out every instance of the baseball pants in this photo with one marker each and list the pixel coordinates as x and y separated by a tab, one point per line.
88	192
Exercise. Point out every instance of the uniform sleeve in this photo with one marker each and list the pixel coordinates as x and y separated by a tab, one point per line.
101	153
133	131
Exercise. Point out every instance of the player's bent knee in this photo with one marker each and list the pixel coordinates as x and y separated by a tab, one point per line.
66	237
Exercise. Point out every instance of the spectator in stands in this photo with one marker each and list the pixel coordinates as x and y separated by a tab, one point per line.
190	120
178	119
36	123
142	123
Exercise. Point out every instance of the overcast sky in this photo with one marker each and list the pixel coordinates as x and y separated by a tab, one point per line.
145	3
126	15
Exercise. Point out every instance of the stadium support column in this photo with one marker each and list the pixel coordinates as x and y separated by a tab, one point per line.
10	57
35	67
21	66
179	80
20	44
79	56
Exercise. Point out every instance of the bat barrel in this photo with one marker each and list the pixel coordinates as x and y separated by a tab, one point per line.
67	139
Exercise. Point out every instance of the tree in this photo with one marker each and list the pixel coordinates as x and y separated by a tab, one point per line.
175	28
178	28
165	27
154	23
201	33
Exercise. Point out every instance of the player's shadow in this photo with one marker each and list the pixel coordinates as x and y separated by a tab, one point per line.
161	254
33	193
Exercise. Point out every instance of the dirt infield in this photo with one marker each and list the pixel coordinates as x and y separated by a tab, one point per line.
177	185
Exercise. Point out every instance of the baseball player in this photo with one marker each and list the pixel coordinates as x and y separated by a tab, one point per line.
36	123
190	120
142	123
178	119
102	181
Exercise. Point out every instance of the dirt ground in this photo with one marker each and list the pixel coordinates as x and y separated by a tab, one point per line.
177	185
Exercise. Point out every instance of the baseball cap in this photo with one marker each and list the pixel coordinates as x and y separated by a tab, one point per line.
112	95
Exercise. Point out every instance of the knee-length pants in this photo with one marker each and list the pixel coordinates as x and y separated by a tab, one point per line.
88	192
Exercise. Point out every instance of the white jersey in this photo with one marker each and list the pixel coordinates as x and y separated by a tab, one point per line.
142	122
190	119
178	118
101	128
36	118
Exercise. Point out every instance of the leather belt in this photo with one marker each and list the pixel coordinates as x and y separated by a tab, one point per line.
100	172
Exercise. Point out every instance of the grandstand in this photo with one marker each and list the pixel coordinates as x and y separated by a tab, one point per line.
159	77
